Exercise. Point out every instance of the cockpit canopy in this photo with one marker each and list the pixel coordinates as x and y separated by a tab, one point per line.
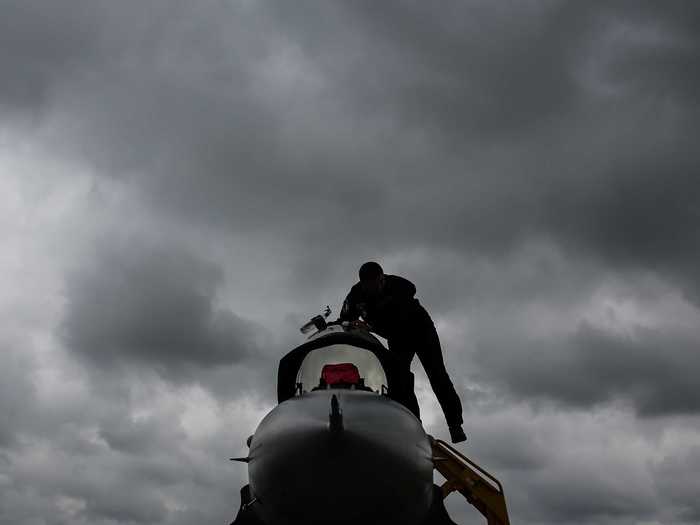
371	375
337	344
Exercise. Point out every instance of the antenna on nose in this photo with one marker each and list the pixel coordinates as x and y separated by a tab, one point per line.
335	417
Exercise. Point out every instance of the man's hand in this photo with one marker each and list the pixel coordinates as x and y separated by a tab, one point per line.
359	325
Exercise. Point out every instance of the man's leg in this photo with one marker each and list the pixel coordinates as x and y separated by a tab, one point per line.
430	355
404	353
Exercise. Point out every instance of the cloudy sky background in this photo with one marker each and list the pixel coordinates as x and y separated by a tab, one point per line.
182	184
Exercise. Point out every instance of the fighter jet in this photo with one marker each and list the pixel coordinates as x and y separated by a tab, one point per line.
341	448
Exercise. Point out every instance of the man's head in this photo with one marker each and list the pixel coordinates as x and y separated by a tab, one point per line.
371	278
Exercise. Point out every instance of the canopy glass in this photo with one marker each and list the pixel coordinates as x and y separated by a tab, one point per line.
366	362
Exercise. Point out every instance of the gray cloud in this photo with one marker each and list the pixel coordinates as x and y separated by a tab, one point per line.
676	479
125	452
512	160
393	96
41	46
154	305
438	68
652	369
16	390
583	469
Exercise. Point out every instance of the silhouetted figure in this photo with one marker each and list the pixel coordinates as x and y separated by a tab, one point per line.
387	304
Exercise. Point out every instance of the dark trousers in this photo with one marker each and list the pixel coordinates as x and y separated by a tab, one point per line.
420	337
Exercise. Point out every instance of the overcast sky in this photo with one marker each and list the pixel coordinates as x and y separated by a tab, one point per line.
182	184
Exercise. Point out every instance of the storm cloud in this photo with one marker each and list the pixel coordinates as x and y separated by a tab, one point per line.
153	305
183	185
651	369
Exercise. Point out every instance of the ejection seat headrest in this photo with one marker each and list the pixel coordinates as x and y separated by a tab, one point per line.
340	373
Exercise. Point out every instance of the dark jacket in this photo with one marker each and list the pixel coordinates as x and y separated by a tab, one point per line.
393	310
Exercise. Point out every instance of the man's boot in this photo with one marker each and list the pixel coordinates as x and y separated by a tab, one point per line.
457	434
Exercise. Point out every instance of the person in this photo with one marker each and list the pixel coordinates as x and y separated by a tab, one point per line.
387	304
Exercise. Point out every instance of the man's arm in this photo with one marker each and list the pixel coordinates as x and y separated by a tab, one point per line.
349	311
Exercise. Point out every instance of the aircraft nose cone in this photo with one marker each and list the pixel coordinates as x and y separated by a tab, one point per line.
362	458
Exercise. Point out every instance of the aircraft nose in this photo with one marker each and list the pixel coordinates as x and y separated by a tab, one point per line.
360	455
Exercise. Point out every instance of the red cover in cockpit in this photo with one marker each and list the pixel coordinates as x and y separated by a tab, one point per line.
340	373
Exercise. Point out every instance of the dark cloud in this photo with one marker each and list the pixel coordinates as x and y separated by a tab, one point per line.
558	127
439	68
636	213
512	160
16	392
575	469
41	46
677	481
653	369
592	151
137	437
155	305
126	454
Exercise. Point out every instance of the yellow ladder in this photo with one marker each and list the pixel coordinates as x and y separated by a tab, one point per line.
480	489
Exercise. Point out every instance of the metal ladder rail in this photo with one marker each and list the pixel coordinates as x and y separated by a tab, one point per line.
479	488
